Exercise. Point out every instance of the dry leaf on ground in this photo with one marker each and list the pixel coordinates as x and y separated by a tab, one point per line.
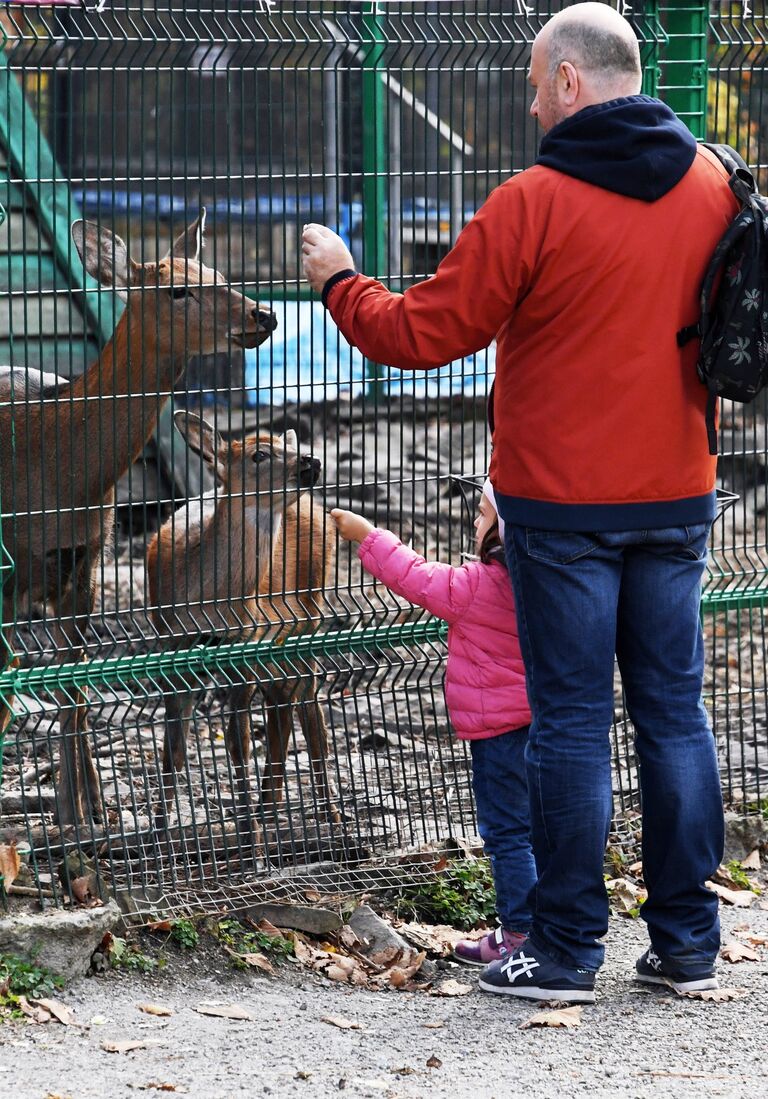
717	995
154	1009
225	1011
625	895
434	1062
127	1045
559	1017
154	1086
451	988
739	898
159	925
748	934
36	1014
437	1025
58	1010
752	861
738	952
10	864
82	890
341	1023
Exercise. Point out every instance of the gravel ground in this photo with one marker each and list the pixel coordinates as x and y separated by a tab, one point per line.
633	1043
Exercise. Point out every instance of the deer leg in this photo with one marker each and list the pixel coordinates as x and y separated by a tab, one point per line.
279	722
316	736
178	711
239	742
6	704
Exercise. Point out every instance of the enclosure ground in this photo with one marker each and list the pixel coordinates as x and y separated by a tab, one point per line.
632	1043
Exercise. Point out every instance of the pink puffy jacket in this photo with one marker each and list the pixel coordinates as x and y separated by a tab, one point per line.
484	675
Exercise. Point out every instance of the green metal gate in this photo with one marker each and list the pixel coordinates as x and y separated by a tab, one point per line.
390	122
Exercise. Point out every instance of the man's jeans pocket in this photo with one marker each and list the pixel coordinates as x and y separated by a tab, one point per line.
557	547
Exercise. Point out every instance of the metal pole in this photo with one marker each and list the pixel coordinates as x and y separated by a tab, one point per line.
684	65
374	163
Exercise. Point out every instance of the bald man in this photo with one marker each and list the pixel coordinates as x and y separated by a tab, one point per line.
583	268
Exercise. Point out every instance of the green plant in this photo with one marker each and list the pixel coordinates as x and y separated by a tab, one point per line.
461	895
740	877
20	978
125	955
244	940
185	933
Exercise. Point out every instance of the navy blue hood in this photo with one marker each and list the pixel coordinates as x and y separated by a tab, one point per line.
635	146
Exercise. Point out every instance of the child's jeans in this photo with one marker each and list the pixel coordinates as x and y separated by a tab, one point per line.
503	821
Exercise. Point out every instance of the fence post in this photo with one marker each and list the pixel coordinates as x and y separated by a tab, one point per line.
374	163
684	63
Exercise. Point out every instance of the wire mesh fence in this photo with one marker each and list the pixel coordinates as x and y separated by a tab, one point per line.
202	705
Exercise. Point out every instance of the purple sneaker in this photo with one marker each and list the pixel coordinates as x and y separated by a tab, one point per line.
492	947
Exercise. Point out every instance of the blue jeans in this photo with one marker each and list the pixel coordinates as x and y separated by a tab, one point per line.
503	820
581	598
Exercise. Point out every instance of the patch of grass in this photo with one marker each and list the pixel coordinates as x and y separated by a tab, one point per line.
247	940
21	978
462	895
126	955
759	808
184	933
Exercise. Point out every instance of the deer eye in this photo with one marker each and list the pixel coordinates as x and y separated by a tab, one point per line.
178	292
261	455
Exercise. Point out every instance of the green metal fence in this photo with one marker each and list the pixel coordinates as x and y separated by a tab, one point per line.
391	122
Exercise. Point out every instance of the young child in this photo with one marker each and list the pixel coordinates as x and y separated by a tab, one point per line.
485	694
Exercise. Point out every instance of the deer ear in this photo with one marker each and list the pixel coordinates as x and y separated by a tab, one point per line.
290	440
189	244
201	437
104	254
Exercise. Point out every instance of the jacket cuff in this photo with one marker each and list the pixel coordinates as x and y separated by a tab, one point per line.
340	276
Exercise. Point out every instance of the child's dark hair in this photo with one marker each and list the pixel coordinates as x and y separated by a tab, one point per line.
491	548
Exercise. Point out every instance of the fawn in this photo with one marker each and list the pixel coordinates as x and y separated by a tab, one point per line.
247	562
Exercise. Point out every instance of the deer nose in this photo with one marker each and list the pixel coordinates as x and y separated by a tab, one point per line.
265	318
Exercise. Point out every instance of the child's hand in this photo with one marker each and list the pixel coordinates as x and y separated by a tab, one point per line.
352	527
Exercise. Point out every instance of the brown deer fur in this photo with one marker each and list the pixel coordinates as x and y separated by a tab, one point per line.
64	444
249	562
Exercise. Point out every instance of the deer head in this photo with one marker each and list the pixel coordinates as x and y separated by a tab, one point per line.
192	309
258	469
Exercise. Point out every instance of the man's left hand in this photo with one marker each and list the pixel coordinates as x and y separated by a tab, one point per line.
324	254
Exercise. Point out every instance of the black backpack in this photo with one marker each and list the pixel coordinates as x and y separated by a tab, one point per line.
733	326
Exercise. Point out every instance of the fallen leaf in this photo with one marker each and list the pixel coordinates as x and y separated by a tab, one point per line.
127	1045
437	1025
739	898
751	937
58	1010
336	973
434	1062
451	988
341	1023
225	1011
98	1020
10	864
625	896
312	895
268	928
347	937
717	995
752	861
154	1086
82	890
154	1009
441	864
258	961
403	1070
738	952
159	925
302	1075
36	1014
560	1017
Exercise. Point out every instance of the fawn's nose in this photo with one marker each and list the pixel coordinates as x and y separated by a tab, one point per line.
309	470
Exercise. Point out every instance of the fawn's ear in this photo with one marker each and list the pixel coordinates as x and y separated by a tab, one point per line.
104	255
202	439
290	440
189	244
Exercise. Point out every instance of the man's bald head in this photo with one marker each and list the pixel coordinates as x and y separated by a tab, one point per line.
586	54
595	38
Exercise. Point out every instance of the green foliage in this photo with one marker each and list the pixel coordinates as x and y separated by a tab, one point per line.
125	955
462	895
249	940
185	933
20	978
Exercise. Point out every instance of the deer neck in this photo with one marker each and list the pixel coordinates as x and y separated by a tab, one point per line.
245	536
119	397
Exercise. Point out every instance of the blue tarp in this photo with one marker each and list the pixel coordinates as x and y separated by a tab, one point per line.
308	359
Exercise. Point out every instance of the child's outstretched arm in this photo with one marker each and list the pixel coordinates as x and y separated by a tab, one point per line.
442	589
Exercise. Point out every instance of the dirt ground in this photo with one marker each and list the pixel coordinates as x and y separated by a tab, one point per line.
633	1043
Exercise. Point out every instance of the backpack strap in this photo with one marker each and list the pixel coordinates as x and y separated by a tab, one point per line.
741	180
710	420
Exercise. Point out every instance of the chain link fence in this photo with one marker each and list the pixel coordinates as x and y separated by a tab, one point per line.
310	700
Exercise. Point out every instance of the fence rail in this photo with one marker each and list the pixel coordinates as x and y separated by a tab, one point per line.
391	122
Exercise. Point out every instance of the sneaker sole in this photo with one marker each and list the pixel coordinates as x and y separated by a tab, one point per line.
468	961
704	984
571	995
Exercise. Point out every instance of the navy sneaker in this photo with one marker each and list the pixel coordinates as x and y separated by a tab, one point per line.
529	973
651	970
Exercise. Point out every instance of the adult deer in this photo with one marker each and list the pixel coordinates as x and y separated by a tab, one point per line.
64	444
248	561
